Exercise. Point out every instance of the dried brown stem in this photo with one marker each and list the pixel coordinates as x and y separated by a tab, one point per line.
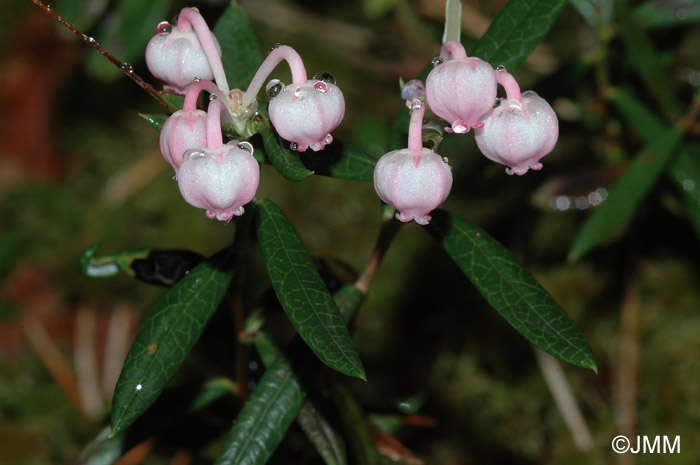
124	66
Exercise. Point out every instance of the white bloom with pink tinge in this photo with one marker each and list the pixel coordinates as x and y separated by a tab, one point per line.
519	134
178	58
415	182
183	130
305	114
461	91
220	180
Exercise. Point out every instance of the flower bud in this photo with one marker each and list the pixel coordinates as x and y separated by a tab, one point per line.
178	57
461	91
305	114
519	134
220	180
184	130
415	182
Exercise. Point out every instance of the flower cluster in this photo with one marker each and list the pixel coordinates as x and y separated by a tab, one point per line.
516	131
222	177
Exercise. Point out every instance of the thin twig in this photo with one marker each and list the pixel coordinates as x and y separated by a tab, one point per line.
126	68
386	236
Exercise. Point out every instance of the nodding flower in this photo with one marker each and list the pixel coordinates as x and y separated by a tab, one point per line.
304	112
521	130
180	55
220	178
414	180
460	89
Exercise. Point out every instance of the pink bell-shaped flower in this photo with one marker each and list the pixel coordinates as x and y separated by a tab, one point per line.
414	180
305	114
519	131
460	89
180	55
220	180
184	130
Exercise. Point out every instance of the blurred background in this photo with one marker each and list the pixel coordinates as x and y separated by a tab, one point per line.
79	166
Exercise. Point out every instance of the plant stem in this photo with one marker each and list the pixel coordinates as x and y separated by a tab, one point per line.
452	50
509	83
283	52
190	18
194	91
214	137
453	21
125	67
386	237
415	128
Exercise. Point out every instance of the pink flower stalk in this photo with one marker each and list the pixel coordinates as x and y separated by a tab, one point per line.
179	56
220	178
304	112
187	128
520	131
460	89
414	180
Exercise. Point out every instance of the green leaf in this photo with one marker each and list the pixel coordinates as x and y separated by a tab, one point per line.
324	438
302	293
516	31
177	101
286	162
656	14
265	418
357	430
650	67
156	120
340	161
511	289
167	337
240	49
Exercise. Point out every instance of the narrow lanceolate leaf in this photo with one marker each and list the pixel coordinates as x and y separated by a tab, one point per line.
324	438
340	161
511	289
286	162
516	31
265	418
240	50
302	293
156	120
167	337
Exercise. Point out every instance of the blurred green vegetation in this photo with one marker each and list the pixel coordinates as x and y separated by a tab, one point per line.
424	334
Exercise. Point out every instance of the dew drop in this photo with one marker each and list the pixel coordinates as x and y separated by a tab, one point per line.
271	49
193	154
245	146
139	387
328	139
197	79
437	61
127	67
459	127
212	97
500	68
299	92
164	28
294	146
321	87
416	104
413	89
274	88
325	76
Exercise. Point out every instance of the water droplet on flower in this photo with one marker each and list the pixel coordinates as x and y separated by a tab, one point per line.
246	146
459	127
510	172
321	87
197	79
192	154
294	146
500	68
274	88
437	61
271	49
299	92
324	76
416	104
328	139
163	28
